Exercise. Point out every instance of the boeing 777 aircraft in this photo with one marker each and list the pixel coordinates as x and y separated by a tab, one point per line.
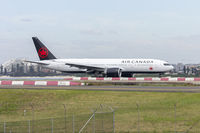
105	67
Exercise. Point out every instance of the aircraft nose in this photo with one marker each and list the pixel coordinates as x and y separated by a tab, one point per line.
171	67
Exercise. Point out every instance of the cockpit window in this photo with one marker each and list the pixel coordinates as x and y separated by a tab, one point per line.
166	64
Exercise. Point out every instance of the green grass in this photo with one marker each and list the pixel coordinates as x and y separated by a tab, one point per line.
156	110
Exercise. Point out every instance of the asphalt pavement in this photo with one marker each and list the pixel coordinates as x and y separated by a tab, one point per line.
191	89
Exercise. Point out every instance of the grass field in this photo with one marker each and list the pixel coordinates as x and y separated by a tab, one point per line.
156	112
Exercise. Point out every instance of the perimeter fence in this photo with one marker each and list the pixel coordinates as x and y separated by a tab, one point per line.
99	120
159	117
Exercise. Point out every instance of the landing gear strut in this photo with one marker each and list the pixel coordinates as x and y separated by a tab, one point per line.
160	75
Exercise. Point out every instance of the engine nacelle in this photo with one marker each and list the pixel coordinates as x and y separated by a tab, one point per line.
113	72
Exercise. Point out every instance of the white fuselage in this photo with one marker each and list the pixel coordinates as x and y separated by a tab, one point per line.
106	67
126	65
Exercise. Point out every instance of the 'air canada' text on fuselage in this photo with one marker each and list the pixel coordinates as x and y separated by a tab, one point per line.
138	61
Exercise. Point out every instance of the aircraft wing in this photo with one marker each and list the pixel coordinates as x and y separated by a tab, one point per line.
85	67
37	62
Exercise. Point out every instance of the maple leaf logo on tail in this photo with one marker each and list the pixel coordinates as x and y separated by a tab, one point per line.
43	52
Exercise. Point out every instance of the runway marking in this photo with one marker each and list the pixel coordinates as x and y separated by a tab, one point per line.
52	83
29	82
9	82
17	82
42	83
63	83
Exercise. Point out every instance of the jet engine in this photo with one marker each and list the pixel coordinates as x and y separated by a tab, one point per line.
113	72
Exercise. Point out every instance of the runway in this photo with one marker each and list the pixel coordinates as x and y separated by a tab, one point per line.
189	89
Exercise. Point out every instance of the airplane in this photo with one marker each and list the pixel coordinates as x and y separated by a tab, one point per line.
103	67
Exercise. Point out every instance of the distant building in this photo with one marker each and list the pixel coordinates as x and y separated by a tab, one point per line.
180	68
17	67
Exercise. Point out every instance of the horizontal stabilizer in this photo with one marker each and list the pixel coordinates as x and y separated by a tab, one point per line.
37	62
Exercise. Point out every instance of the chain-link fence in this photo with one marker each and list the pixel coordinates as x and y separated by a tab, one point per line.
99	120
169	118
140	117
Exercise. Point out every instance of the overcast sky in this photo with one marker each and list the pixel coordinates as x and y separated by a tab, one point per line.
161	29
